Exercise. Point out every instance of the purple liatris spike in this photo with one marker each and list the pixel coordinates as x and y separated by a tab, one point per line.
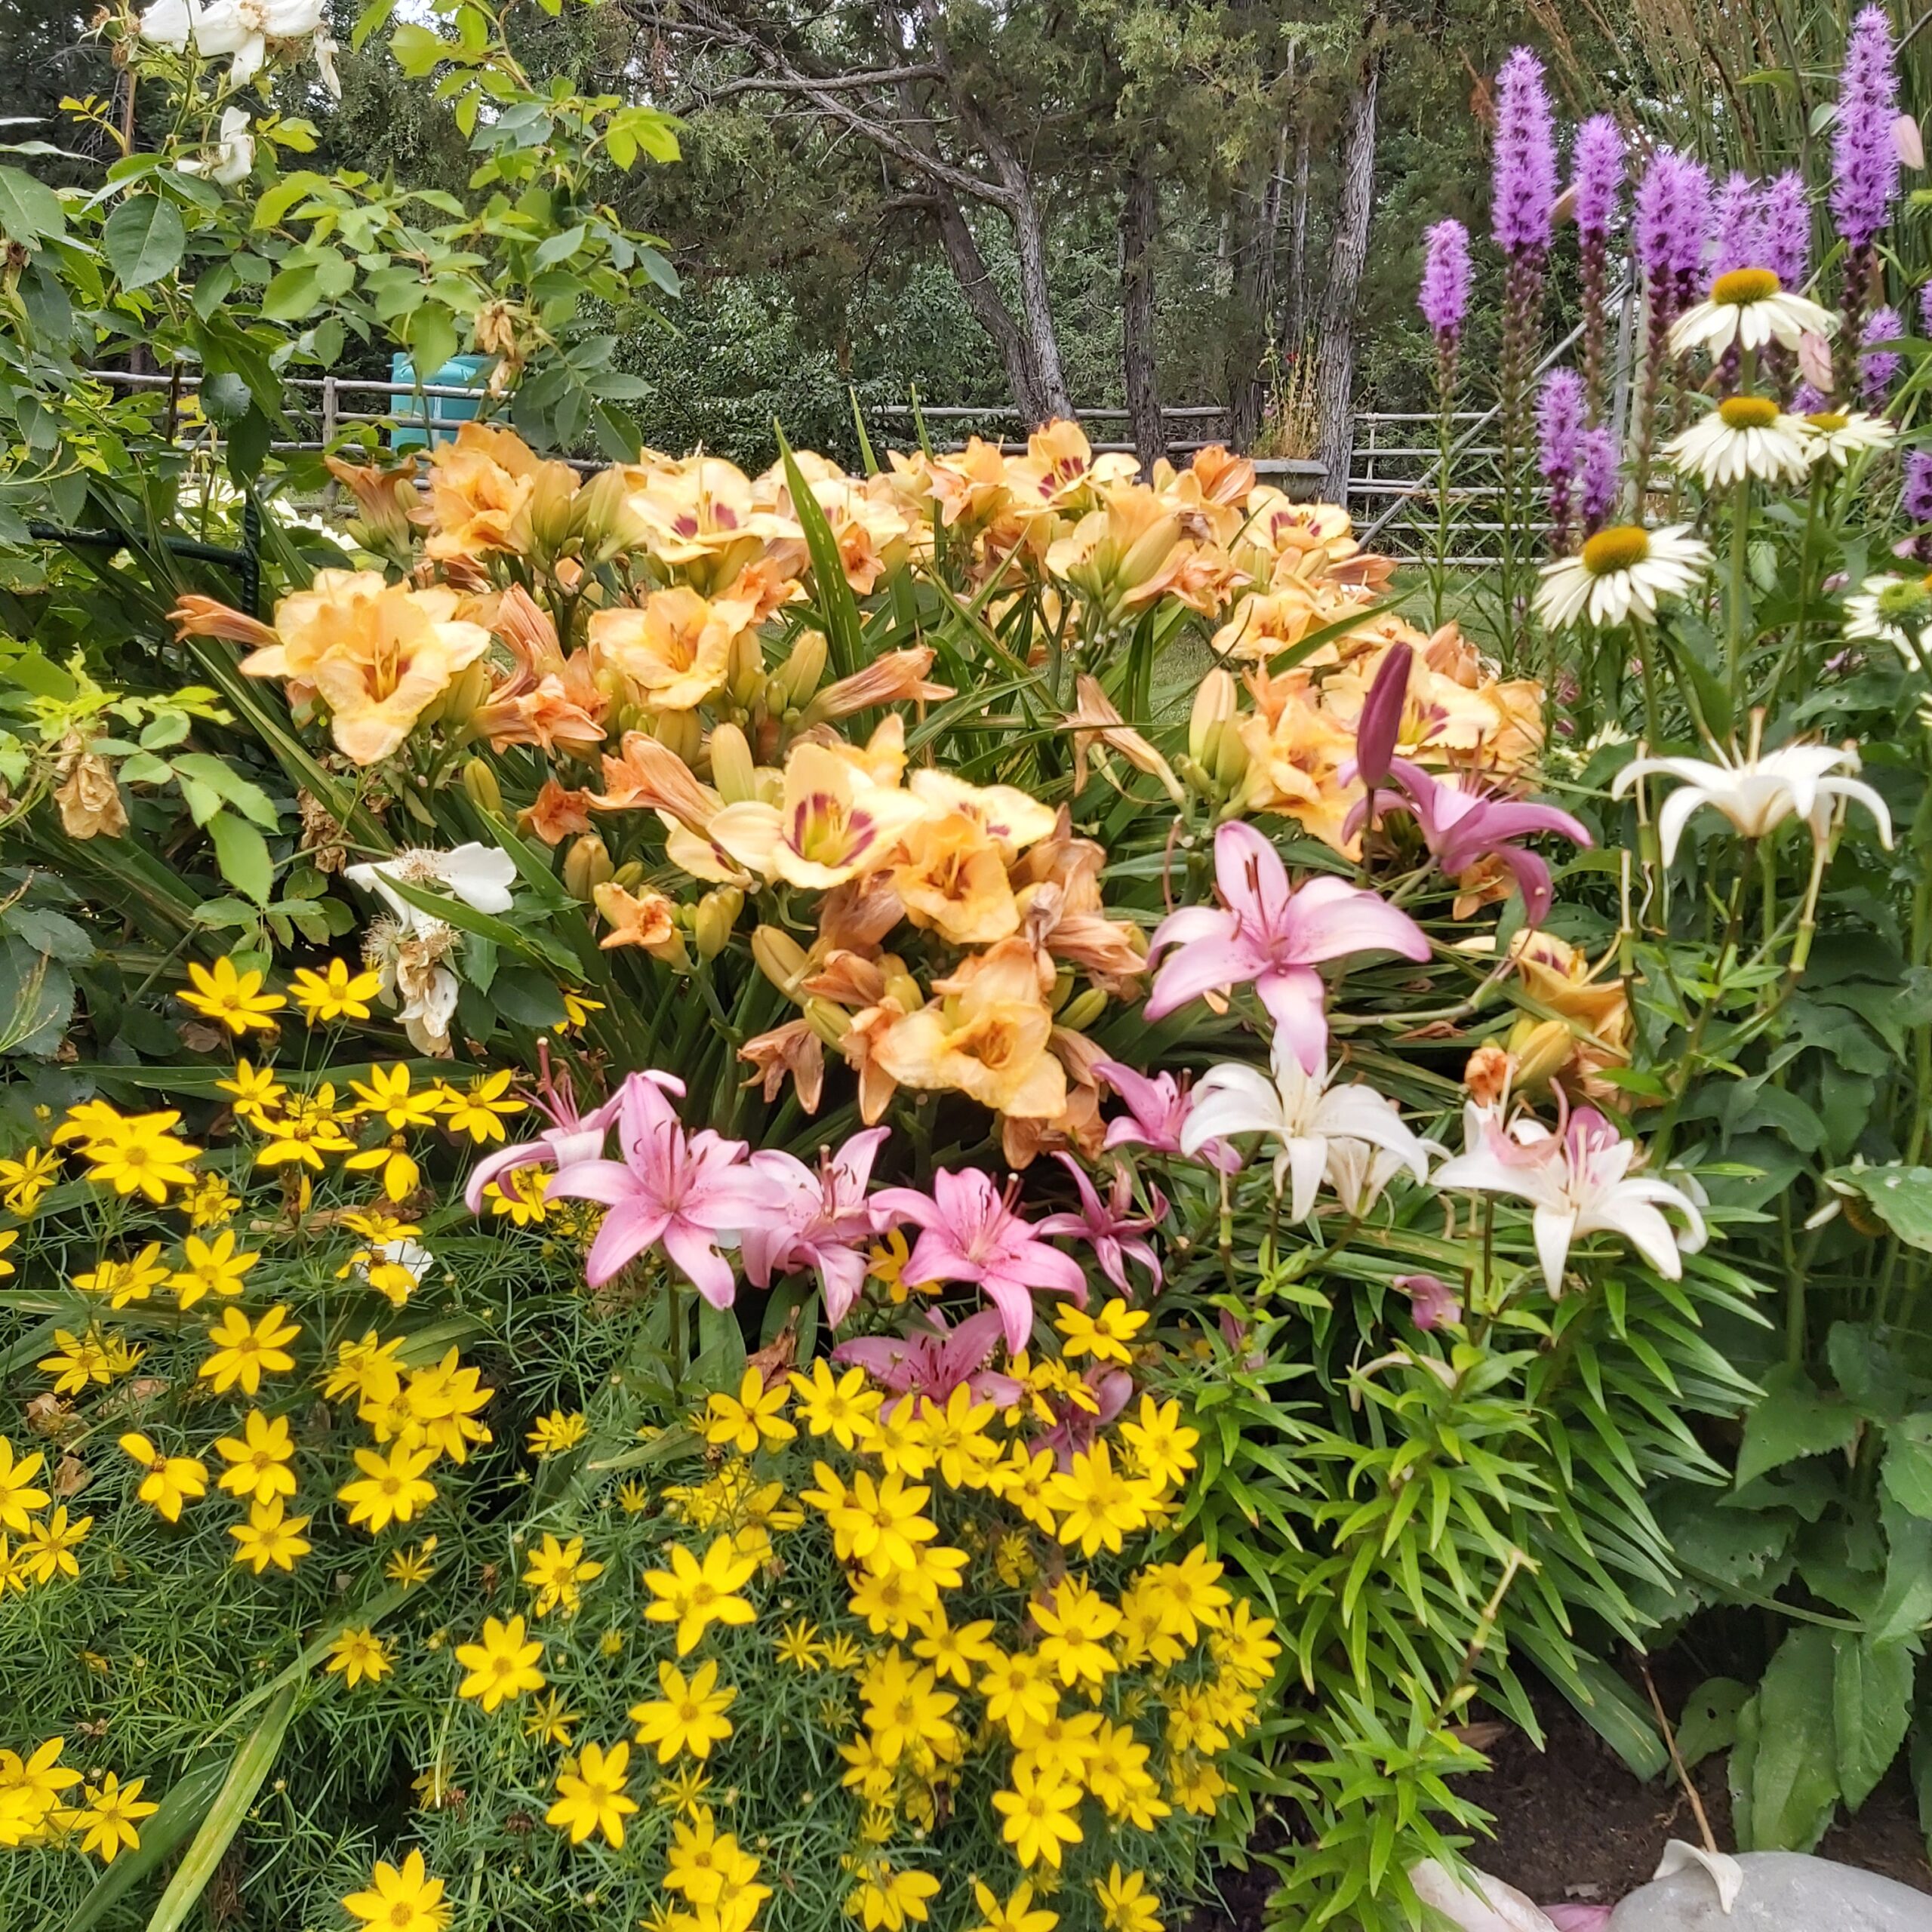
1560	423
1445	295
1785	223
1865	158
1673	221
1878	368
1917	501
1525	171
1738	216
1810	401
1597	493
1925	307
1599	177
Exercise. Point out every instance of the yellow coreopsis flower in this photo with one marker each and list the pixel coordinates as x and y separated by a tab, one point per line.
592	1797
798	1644
78	1361
1076	1621
523	1194
388	1096
1099	1505
1161	1446
549	1721
754	1415
307	1128
367	1369
270	1537
885	1899
404	1899
24	1182
1127	1902
110	1815
411	1566
117	1283
18	1497
689	1716
339	993
359	1657
258	1459
694	1595
557	1572
254	1091
480	1108
241	1353
502	1664
138	1154
877	1524
1104	1336
552	1434
838	1405
392	1488
169	1481
48	1545
231	998
209	1268
1015	1913
30	1790
1039	1815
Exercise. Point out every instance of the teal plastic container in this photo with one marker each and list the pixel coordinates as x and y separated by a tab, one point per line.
406	406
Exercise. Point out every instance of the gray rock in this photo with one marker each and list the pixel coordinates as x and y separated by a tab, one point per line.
1783	1891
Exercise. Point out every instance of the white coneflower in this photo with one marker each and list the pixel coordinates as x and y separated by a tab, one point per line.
1895	610
1747	308
1745	436
1620	573
1835	435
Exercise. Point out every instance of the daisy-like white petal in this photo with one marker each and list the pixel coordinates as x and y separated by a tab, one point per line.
1895	610
1620	575
1745	436
1749	308
1835	436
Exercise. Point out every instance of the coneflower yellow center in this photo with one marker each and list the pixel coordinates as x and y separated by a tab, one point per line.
1829	420
1744	285
1616	549
1748	412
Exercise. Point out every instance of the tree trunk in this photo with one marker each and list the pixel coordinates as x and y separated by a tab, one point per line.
1052	398
1253	331
1139	217
1294	318
976	284
1335	345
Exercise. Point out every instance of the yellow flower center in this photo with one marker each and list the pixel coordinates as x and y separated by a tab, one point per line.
1616	549
1742	286
1748	412
1829	420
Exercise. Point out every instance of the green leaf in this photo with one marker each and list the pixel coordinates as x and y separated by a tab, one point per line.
252	1764
417	49
1871	1703
228	784
292	293
1794	1782
431	339
242	853
1793	1420
1904	1604
1708	1722
1907	1474
182	1809
30	211
1901	1196
143	240
837	608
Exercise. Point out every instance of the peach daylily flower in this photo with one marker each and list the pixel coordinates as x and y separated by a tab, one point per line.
675	649
376	653
792	1049
645	920
834	822
952	878
1295	750
987	1036
480	488
556	814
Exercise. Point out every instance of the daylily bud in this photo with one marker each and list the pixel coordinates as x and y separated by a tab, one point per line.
1541	1050
830	1022
1062	987
479	781
745	677
630	875
1080	1011
679	731
458	700
586	866
1230	761
801	671
1214	709
1381	720
732	770
716	912
604	523
900	985
781	957
549	512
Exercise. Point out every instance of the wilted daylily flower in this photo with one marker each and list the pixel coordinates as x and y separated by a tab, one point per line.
1463	823
1308	1116
1578	1183
1265	933
969	1232
1759	794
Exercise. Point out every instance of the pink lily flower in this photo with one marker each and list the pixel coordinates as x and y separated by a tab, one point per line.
1265	933
1433	1303
570	1137
824	1217
1462	822
1578	1182
1158	1108
969	1232
1381	721
695	1194
933	1362
1109	1227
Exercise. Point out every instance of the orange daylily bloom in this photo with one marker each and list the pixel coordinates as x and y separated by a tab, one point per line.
645	920
675	649
482	489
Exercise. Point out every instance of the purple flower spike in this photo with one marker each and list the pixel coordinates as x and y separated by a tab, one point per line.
1739	219
1525	172
1599	177
1444	296
1865	158
1917	501
1810	401
1673	222
1600	482
1560	423
1381	721
1878	368
1786	225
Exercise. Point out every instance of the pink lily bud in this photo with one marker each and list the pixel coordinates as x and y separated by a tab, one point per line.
1382	716
1814	361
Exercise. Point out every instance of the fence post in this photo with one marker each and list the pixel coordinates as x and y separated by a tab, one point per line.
329	411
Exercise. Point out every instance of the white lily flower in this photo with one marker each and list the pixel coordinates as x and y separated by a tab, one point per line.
1757	794
480	875
240	28
1578	1183
233	156
1358	1170
1308	1116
